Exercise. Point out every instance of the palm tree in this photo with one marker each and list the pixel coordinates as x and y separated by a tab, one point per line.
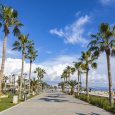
33	84
72	83
87	61
77	66
31	55
40	74
21	45
65	77
8	19
104	41
69	70
67	74
62	84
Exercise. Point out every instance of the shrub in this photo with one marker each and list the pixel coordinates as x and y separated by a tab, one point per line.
101	102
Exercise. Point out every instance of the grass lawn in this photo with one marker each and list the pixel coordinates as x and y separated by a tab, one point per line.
6	103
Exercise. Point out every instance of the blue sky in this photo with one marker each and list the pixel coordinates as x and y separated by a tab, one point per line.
60	28
39	16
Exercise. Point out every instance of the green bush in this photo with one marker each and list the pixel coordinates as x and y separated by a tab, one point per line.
101	102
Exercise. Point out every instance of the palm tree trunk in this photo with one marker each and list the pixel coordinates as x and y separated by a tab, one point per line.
64	85
87	88
80	81
110	80
30	75
3	62
72	90
78	84
69	84
21	77
5	86
14	85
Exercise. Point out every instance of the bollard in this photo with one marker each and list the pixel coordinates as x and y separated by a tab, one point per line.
15	99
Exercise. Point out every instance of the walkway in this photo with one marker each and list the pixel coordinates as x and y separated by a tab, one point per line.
54	104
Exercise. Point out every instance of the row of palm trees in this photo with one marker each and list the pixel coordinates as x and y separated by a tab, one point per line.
102	41
10	23
11	84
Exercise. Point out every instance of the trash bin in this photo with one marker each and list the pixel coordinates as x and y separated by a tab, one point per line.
33	93
25	97
15	99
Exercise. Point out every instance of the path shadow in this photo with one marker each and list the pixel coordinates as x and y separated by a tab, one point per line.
53	100
56	96
92	113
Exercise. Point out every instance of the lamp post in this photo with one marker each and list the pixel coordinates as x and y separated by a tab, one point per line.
25	92
13	83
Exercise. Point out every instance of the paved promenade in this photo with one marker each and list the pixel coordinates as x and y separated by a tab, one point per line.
54	104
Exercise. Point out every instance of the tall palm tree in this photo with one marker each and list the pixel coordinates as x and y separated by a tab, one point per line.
21	45
104	41
31	55
40	74
78	68
87	61
69	70
9	21
67	73
65	77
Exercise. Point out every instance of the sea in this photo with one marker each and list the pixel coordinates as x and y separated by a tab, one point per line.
101	89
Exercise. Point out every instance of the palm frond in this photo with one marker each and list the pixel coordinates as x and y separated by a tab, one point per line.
16	31
94	65
113	51
104	27
0	24
15	14
16	46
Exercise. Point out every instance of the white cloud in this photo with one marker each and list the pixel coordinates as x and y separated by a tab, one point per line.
73	33
99	77
60	33
107	2
54	68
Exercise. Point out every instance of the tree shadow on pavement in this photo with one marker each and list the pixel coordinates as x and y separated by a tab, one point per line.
56	96
53	100
92	113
